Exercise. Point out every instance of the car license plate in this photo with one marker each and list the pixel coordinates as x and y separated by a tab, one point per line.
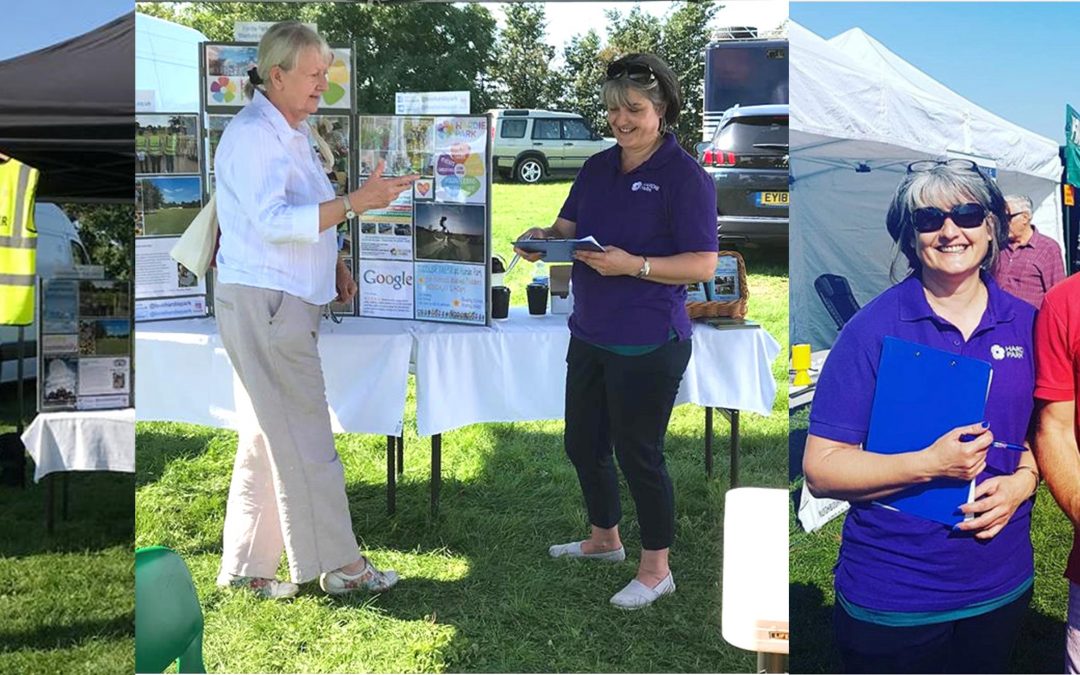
772	199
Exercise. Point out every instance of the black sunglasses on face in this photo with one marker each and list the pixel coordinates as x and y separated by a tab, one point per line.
638	72
931	219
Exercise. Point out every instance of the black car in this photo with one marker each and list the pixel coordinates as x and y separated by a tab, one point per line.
748	160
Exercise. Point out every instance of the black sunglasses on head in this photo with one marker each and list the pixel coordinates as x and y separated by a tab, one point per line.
638	72
931	164
931	219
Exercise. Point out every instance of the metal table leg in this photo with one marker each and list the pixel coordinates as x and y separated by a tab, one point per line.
708	442
400	455
391	478
436	472
733	415
50	499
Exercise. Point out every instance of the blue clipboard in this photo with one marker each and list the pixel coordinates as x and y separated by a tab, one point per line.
922	393
558	250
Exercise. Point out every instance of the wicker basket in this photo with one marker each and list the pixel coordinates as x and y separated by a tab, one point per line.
736	309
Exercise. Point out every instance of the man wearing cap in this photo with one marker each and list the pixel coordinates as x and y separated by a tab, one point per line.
1030	263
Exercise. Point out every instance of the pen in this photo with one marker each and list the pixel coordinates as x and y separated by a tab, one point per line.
965	438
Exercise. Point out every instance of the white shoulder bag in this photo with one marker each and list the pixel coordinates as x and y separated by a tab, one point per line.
195	250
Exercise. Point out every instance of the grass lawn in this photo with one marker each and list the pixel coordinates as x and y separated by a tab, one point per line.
1040	645
67	600
169	221
479	593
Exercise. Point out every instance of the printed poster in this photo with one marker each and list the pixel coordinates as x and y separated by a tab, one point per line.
454	232
451	292
461	159
166	144
386	289
170	308
387	233
227	69
157	275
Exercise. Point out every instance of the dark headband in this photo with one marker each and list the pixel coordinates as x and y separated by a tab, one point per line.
253	76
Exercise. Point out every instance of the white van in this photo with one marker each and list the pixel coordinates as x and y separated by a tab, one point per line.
58	247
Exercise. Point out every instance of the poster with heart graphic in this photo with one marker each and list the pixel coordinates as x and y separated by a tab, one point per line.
225	74
461	159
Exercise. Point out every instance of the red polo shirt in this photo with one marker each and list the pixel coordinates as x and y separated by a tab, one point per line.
1057	365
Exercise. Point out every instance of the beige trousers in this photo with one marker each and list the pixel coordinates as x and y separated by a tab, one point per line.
288	485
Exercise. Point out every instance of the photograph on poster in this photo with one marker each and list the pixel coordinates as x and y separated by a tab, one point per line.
215	127
449	292
334	129
386	289
419	136
104	298
452	232
169	204
166	144
725	285
61	382
226	74
157	275
382	139
104	337
60	306
170	308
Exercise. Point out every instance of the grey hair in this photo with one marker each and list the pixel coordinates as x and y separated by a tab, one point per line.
1023	200
943	184
281	46
615	95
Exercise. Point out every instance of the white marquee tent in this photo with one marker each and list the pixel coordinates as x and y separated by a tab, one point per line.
166	66
859	115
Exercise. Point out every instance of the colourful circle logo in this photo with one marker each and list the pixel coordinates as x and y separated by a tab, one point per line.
223	90
338	77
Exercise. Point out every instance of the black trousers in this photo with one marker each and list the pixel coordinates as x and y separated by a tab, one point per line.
980	644
624	402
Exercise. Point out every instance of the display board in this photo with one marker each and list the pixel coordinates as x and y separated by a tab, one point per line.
425	255
168	196
84	338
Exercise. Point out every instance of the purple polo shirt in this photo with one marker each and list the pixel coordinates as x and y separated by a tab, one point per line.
1029	270
893	561
664	207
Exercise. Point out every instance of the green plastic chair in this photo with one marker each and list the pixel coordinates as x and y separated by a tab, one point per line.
168	617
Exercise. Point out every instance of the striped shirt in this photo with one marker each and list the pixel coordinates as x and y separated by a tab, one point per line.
1029	270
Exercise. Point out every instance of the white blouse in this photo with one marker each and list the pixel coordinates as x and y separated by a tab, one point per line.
269	187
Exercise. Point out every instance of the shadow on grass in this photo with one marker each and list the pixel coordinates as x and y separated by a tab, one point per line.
1039	646
67	636
101	509
156	449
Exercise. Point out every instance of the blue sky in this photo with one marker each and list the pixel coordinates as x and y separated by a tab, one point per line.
30	25
178	189
1018	60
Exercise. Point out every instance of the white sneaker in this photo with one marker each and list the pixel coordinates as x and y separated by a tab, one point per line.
636	595
271	589
573	550
367	579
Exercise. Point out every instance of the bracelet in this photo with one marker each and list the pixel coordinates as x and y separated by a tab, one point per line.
1034	472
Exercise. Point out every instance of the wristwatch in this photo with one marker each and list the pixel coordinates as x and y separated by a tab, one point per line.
645	268
349	213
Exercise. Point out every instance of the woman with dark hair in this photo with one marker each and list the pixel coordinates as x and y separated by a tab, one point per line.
654	209
912	594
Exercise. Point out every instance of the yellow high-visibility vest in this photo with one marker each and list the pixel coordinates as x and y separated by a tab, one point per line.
18	243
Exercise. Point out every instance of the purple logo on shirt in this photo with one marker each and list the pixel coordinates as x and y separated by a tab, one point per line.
647	187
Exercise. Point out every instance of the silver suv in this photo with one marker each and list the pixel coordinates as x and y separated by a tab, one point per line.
530	144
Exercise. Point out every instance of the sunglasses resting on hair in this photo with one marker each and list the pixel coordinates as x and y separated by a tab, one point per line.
638	72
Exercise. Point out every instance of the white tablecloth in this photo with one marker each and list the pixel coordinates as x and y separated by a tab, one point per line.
183	374
516	371
92	440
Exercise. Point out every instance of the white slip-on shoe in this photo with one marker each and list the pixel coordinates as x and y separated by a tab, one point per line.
573	550
271	589
636	595
367	579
